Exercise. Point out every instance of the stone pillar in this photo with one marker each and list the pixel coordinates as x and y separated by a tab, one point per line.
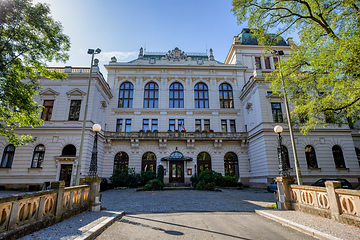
94	195
284	192
60	186
333	199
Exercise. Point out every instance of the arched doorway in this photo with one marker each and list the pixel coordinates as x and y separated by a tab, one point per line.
203	162
231	164
68	156
121	161
148	162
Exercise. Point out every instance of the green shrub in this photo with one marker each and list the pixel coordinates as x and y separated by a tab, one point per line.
160	173
154	184
202	185
194	180
230	181
209	175
145	177
125	178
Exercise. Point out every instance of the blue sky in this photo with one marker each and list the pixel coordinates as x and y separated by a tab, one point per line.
119	28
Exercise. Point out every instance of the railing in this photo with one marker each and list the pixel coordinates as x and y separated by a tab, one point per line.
176	135
25	213
341	205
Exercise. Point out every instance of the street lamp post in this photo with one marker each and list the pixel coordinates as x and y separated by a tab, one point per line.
283	168
78	168
297	166
93	164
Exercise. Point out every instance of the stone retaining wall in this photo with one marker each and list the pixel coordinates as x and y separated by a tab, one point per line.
26	213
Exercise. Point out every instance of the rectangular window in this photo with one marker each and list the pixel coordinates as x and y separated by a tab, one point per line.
119	124
181	125
154	124
258	62
74	112
145	124
207	124
48	108
128	125
198	124
172	124
267	63
232	126
276	112
223	126
276	60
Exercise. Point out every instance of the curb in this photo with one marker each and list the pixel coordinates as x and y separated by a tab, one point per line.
92	232
299	227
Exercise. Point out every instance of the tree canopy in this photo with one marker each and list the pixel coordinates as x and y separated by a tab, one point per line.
322	74
29	37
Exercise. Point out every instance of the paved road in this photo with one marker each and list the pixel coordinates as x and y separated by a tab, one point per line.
193	215
215	225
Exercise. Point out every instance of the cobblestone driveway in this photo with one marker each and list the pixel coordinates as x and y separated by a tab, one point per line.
228	200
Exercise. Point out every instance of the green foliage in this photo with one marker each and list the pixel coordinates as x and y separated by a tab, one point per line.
145	177
160	173
125	178
209	179
202	185
194	180
231	181
322	74
29	37
154	184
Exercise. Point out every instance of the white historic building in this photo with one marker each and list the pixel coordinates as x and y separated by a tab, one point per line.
183	110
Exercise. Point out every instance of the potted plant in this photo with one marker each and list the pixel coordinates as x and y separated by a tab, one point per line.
197	130
211	130
183	130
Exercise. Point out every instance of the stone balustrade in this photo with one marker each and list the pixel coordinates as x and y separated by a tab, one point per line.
25	213
331	201
177	135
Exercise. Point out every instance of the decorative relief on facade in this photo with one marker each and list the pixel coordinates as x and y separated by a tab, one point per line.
170	79
206	79
145	78
218	143
162	143
219	79
158	78
133	78
231	80
182	79
134	143
190	143
121	78
176	55
195	79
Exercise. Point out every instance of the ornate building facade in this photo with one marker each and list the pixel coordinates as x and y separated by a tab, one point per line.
183	110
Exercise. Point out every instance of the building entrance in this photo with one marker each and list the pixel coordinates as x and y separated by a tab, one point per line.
65	174
176	172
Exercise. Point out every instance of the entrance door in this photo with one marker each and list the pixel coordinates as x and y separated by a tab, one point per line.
176	172
65	174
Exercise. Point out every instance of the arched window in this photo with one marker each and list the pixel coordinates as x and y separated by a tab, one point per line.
358	154
176	95
151	96
285	156
231	164
8	156
338	157
311	157
203	162
38	156
148	162
126	95
121	161
201	96
69	150
226	96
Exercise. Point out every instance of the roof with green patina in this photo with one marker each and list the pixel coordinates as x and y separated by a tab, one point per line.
246	37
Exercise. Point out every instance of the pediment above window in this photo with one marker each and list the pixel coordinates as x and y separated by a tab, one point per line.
49	93
76	93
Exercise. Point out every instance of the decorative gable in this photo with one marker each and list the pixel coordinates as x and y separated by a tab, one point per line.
48	93
76	93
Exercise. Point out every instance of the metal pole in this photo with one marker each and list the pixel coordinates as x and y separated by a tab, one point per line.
297	166
93	163
78	168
